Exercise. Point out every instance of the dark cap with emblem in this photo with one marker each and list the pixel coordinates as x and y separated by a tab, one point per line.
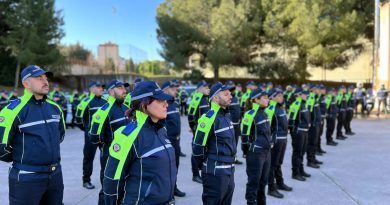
148	89
169	84
257	93
95	84
274	92
116	83
202	83
218	87
34	71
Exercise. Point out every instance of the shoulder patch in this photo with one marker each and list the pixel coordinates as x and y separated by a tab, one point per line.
14	104
271	107
251	112
129	128
105	106
296	102
197	98
86	99
210	113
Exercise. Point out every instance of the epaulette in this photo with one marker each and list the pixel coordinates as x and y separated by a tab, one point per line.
129	128
14	104
210	113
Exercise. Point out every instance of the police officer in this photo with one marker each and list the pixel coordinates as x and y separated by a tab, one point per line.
198	106
74	100
315	115
321	101
238	91
331	115
342	114
141	168
59	97
31	130
288	96
183	96
105	121
382	99
173	124
279	130
256	144
87	107
351	104
360	93
250	86
214	146
299	124
235	114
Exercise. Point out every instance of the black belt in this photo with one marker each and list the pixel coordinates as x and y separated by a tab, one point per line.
33	168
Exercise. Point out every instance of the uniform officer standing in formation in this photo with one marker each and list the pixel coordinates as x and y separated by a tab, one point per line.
321	101
214	146
198	106
141	168
31	130
342	114
331	116
256	144
351	104
173	124
279	130
299	123
315	117
87	107
105	121
235	114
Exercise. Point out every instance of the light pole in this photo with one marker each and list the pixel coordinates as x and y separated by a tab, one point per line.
376	41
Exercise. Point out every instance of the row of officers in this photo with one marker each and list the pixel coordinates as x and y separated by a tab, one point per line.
138	135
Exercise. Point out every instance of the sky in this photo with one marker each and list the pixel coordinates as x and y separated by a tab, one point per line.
129	23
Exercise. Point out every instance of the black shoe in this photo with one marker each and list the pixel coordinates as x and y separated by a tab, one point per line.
350	133
179	193
312	165
344	137
299	177
284	187
340	138
317	161
322	151
304	174
319	153
275	194
197	179
238	162
88	185
182	154
332	143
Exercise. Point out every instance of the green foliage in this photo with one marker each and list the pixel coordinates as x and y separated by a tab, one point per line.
34	32
195	76
76	52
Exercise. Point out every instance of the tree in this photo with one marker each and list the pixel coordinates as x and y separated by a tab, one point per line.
221	31
322	33
34	31
130	66
77	52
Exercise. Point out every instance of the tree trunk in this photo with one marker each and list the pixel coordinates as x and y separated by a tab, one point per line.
216	74
301	64
17	72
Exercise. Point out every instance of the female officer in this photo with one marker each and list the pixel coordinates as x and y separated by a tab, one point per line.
141	168
257	143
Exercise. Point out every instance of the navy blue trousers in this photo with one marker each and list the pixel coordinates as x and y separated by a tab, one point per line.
257	168
26	188
217	190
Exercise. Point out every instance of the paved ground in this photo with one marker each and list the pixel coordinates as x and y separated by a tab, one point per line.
355	172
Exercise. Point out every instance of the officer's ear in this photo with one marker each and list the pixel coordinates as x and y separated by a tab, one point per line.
26	83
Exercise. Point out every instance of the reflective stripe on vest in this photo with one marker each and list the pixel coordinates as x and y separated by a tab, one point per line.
127	101
294	108
328	101
249	116
195	101
206	121
311	100
123	140
83	105
339	98
270	110
100	116
9	113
